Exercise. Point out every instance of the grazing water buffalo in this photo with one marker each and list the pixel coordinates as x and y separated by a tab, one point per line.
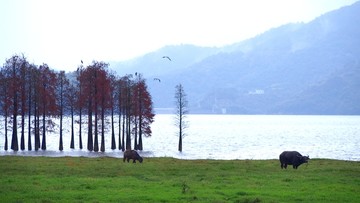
292	158
132	154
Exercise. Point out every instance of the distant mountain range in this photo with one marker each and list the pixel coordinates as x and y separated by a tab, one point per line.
302	68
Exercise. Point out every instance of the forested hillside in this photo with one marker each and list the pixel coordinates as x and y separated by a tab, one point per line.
301	68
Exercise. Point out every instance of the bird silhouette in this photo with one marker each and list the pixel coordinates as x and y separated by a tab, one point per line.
81	62
167	58
157	79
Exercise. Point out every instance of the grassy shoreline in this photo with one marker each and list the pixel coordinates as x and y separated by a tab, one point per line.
106	179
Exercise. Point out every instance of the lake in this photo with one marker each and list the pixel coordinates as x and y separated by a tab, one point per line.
231	137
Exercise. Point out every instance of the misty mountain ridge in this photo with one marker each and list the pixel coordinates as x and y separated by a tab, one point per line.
298	68
153	64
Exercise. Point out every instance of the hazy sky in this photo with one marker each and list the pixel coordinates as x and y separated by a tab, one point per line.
63	32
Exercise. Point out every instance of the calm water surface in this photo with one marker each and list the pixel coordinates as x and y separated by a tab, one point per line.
233	137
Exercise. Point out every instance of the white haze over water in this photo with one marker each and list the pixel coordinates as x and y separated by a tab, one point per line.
227	137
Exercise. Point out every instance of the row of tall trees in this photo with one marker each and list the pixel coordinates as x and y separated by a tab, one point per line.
89	96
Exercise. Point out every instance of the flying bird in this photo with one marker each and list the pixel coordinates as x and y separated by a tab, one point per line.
81	62
167	58
157	79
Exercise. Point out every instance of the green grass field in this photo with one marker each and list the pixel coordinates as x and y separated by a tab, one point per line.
79	179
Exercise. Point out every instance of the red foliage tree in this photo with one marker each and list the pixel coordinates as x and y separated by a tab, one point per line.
113	86
30	90
95	94
5	102
121	94
12	74
86	79
79	103
47	101
70	101
104	98
143	114
23	100
62	87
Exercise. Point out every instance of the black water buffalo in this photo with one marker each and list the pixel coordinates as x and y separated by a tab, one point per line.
132	154
292	158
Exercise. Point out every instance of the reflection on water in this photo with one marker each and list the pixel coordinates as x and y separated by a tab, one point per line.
232	137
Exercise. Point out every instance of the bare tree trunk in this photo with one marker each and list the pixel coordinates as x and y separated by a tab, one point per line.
102	146
80	122
135	133
14	138
140	144
96	142
6	132
123	133
113	143
90	139
120	143
22	138
43	143
29	119
37	126
23	104
72	144
61	146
